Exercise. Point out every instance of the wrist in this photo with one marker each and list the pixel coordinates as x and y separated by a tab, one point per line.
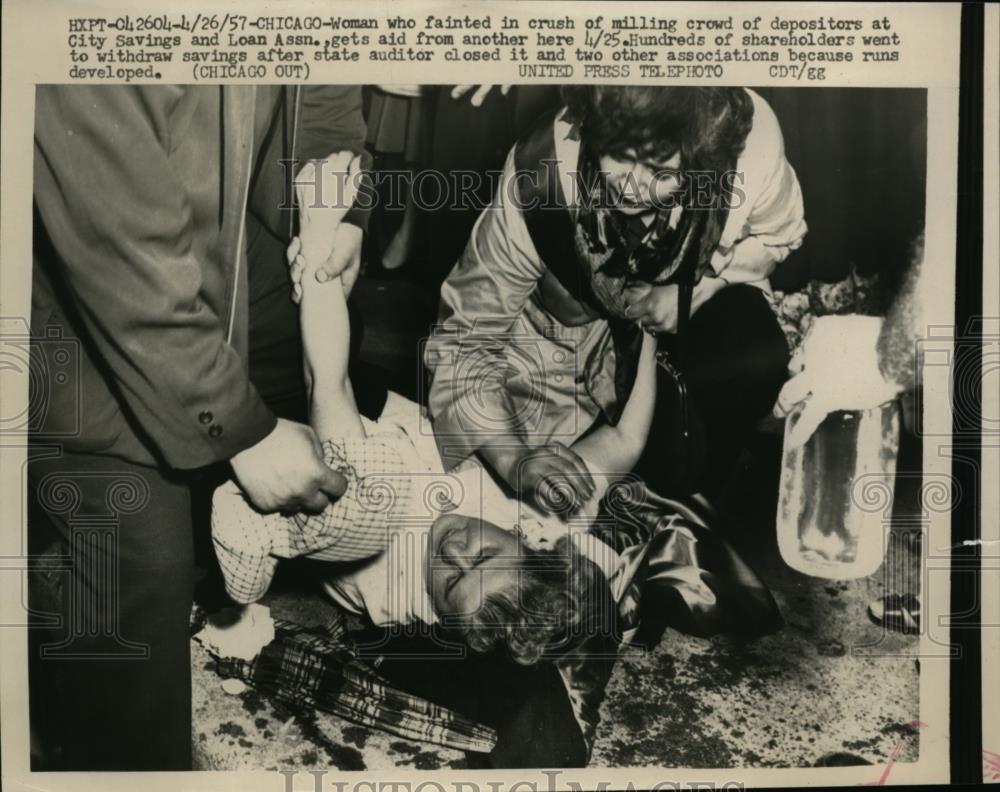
254	445
502	455
332	384
240	431
713	284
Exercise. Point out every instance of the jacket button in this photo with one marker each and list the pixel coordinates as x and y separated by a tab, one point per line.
205	417
214	430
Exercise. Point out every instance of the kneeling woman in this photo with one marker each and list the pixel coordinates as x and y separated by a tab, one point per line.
632	209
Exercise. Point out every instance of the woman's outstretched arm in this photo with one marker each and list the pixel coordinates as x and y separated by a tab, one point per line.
323	317
326	337
612	451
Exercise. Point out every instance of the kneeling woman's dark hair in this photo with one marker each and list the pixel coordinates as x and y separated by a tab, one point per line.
557	603
708	125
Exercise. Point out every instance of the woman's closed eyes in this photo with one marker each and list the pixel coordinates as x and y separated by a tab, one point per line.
460	544
484	554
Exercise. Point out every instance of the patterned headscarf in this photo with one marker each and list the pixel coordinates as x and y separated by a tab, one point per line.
708	127
623	249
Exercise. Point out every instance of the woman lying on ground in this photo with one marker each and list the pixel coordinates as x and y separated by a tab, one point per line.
399	552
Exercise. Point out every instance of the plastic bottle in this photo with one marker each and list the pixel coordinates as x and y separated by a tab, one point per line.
836	493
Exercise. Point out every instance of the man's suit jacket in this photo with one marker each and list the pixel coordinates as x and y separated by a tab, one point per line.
141	198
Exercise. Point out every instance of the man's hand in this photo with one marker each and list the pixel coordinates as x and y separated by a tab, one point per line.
553	478
325	191
285	471
478	95
345	260
836	368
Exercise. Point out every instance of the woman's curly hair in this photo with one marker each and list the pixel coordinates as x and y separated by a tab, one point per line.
707	125
561	598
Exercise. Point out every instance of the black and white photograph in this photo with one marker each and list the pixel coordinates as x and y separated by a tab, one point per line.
322	384
438	427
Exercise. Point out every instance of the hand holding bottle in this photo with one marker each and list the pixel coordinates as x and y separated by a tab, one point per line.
836	368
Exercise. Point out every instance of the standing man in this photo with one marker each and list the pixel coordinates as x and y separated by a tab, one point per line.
140	262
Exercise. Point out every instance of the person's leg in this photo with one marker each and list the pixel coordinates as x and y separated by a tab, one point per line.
737	362
528	706
400	247
110	666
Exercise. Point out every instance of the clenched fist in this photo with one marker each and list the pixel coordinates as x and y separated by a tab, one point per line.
285	471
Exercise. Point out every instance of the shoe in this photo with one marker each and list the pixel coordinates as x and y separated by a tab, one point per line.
897	612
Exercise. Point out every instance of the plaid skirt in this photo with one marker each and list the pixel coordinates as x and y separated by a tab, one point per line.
318	669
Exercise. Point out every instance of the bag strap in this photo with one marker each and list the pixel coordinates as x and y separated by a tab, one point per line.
552	229
545	209
686	274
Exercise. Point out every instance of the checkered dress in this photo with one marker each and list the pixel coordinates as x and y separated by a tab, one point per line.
384	493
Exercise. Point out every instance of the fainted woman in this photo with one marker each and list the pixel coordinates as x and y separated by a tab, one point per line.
424	571
472	566
395	552
631	210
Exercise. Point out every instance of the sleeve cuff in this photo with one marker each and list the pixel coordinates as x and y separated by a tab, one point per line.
226	433
359	213
357	216
721	259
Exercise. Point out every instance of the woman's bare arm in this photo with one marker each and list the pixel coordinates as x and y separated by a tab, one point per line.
326	336
612	451
333	411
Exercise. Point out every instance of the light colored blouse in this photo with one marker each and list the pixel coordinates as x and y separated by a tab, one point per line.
502	365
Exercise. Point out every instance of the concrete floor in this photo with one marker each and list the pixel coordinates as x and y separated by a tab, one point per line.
830	683
831	687
787	700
